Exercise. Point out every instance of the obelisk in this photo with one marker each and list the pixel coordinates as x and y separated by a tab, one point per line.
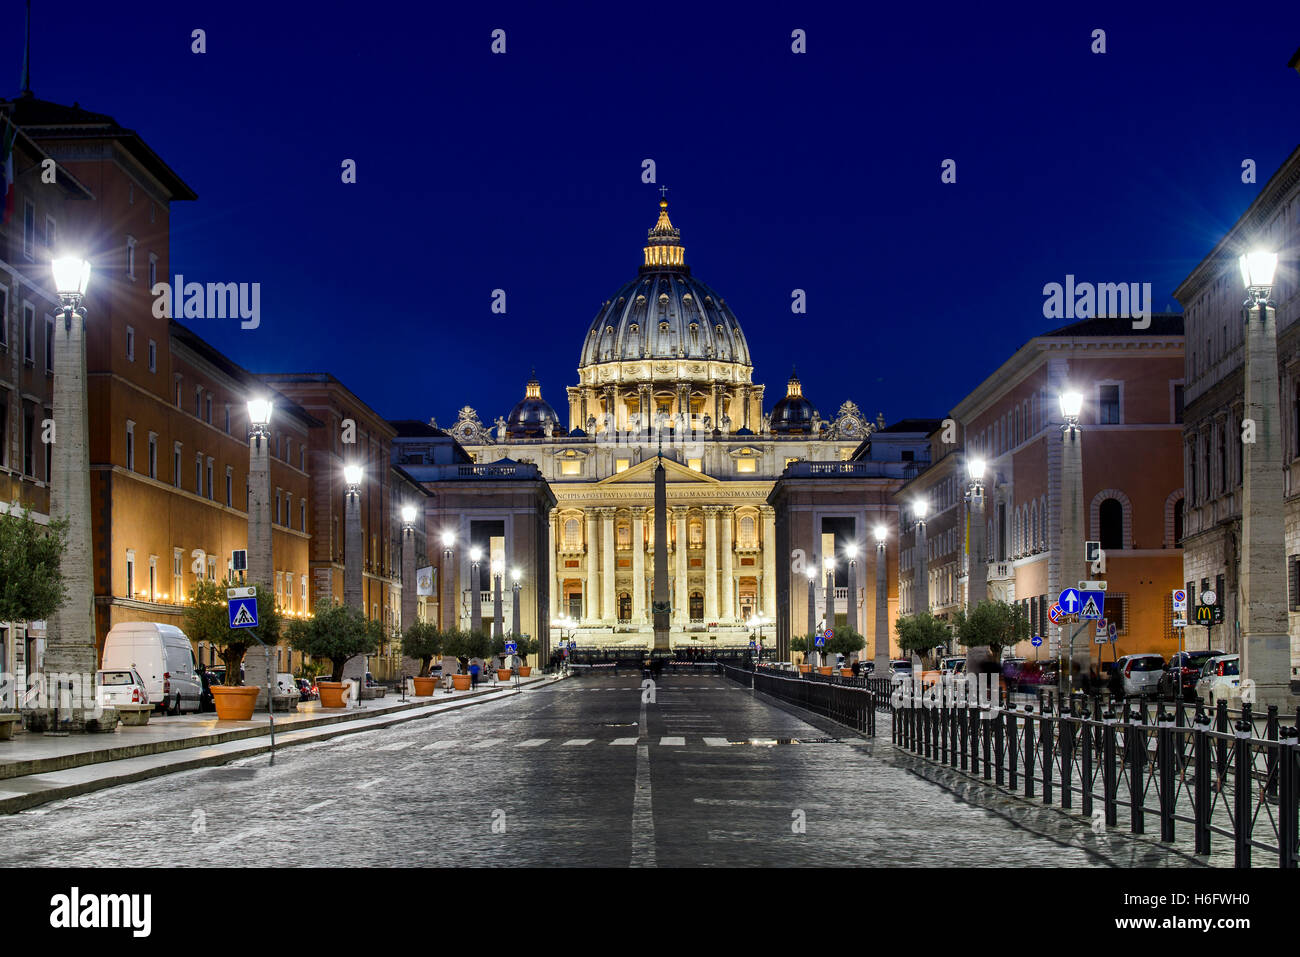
660	605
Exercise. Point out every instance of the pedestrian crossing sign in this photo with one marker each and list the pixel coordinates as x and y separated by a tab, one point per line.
1093	605
243	613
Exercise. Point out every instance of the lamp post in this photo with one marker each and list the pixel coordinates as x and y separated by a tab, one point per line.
261	562
475	596
565	624
1265	641
352	554
448	581
757	622
851	552
70	631
516	584
977	569
1071	557
881	669
812	610
409	598
921	586
498	623
829	564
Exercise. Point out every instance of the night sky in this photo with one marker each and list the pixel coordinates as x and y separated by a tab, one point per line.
818	171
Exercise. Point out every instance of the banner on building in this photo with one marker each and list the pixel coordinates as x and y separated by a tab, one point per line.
424	581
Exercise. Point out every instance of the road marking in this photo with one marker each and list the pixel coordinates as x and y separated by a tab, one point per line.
672	742
717	742
532	742
318	806
370	784
578	742
623	741
438	746
486	743
396	746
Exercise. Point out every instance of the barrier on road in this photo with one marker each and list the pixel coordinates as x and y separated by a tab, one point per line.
1216	774
844	704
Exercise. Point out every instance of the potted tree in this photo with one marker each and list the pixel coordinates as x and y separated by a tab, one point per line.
31	580
845	642
454	644
799	643
527	646
207	618
424	641
476	645
339	633
498	650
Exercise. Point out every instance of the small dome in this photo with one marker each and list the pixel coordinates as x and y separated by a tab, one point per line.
794	414
530	416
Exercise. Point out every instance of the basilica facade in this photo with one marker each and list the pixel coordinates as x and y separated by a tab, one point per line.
664	370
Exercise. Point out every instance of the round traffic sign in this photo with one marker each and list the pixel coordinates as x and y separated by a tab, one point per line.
1180	596
1055	614
1208	597
830	633
1036	641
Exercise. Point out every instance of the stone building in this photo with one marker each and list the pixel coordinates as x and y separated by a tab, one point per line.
1212	296
664	364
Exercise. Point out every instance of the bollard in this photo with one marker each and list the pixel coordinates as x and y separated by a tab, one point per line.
1201	779
1221	744
986	715
1241	787
1013	734
1270	753
1029	753
1108	770
1135	746
1085	767
999	747
1288	800
962	729
1168	780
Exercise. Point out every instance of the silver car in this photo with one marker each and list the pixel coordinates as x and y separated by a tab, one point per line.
1141	673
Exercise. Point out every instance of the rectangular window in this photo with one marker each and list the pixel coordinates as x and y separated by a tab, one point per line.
29	334
130	256
746	465
49	344
302	514
571	467
130	344
4	432
4	317
153	577
208	407
1117	611
302	457
29	230
1178	403
50	233
130	573
198	473
198	402
227	419
49	450
176	465
209	474
130	445
1293	581
153	271
1108	405
153	455
212	568
695	465
178	574
178	392
277	506
288	510
230	487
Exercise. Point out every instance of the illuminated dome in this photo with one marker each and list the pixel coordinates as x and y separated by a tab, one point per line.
531	415
794	414
664	313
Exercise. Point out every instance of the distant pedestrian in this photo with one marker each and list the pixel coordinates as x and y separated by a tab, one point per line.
473	673
857	668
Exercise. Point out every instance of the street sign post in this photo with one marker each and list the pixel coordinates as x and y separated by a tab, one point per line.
243	612
1094	605
1112	632
1180	599
1036	641
1055	614
1070	601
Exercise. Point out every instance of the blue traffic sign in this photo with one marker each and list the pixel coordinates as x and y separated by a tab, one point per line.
1094	606
511	647
1036	641
243	612
1070	601
819	641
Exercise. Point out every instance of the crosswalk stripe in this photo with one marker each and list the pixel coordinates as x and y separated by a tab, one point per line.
438	746
578	741
532	742
623	741
487	743
717	742
673	742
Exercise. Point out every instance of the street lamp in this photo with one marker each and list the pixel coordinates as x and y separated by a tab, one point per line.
828	564
498	623
448	580
977	570
410	598
881	669
757	622
1265	644
516	577
810	648
475	596
1071	557
261	560
851	553
70	631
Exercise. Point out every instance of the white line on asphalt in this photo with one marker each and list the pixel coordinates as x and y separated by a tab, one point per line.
579	742
623	741
396	746
673	742
370	784
318	806
438	745
717	742
532	742
486	743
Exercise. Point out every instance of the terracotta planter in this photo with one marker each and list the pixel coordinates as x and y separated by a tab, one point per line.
424	687
333	694
460	682
234	704
504	674
525	671
805	669
825	670
846	672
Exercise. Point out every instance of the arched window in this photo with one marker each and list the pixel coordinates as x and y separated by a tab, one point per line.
572	538
1178	522
746	532
697	534
624	534
1111	524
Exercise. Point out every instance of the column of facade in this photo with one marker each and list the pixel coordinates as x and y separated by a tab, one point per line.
681	598
711	562
728	583
768	595
591	589
609	611
557	573
638	566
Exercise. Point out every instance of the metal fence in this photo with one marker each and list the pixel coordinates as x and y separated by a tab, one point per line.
851	706
1235	775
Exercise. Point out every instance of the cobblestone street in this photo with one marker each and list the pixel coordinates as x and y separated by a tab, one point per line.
577	773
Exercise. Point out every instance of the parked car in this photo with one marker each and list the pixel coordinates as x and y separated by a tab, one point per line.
1140	673
163	656
307	690
1219	676
121	687
286	684
1182	672
953	665
900	668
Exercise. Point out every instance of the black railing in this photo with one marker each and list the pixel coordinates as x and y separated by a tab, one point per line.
1235	777
851	706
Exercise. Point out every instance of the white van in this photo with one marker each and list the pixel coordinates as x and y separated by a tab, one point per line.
164	658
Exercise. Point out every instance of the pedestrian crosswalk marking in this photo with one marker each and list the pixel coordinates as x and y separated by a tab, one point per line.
717	742
487	743
532	742
623	741
578	741
673	742
438	745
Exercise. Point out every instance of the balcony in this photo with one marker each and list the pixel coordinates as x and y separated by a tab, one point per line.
1000	571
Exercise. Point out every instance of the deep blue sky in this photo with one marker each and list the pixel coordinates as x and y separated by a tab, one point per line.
817	171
